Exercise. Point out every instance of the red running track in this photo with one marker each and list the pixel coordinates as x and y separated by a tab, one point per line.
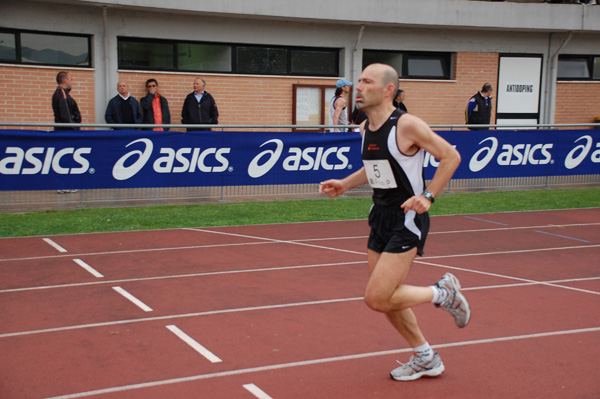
276	311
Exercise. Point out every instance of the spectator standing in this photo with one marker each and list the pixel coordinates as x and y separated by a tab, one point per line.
357	117
338	114
64	106
155	107
199	108
399	101
123	108
479	108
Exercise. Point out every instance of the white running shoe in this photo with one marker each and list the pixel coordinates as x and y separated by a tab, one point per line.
417	368
455	302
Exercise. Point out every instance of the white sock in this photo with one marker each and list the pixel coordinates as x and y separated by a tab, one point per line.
439	295
424	351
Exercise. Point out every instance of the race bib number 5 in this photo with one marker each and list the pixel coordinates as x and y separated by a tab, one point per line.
379	173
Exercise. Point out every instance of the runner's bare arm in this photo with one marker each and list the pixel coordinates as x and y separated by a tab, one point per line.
415	132
334	187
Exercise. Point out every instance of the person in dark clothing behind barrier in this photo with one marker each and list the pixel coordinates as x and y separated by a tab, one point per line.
64	106
479	108
155	107
199	108
358	116
123	108
399	101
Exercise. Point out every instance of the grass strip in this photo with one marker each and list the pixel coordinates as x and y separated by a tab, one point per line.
248	213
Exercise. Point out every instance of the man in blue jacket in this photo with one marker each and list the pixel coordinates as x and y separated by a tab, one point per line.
479	109
123	108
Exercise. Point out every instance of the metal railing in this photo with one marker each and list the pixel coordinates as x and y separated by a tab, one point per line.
18	201
106	126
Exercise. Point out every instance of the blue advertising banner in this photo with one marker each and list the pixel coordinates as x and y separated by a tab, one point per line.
525	153
34	160
37	160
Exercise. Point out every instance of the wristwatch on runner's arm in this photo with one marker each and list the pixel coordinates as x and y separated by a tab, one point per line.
429	196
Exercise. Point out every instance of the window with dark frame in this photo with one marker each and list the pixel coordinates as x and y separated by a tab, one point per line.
45	48
8	46
413	64
150	54
578	67
144	55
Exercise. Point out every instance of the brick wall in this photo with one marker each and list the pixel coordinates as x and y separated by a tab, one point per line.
241	99
28	93
444	103
268	100
577	102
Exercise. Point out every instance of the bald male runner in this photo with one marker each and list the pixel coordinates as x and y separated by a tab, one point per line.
393	147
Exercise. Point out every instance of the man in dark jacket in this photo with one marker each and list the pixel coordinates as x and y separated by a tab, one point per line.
64	106
399	100
479	109
123	108
155	107
199	107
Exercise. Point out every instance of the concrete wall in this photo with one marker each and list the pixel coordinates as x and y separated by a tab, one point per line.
465	28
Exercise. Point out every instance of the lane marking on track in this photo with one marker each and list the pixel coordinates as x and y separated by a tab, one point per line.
526	284
487	221
317	362
516	251
424	259
273	241
215	273
514	228
560	235
286	305
54	245
133	299
211	357
184	315
528	281
88	268
256	391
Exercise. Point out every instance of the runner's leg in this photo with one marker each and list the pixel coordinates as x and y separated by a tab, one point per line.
386	292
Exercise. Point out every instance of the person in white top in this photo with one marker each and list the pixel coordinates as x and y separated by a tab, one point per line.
338	105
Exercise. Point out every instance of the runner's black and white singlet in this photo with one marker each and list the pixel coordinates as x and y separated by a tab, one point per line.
394	176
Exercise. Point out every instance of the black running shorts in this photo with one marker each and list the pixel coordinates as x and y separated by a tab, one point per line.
393	231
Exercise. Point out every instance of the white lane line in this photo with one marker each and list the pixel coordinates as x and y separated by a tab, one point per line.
421	260
273	242
182	315
133	299
256	391
317	361
194	344
175	276
514	228
517	251
530	282
55	245
284	305
88	268
133	251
